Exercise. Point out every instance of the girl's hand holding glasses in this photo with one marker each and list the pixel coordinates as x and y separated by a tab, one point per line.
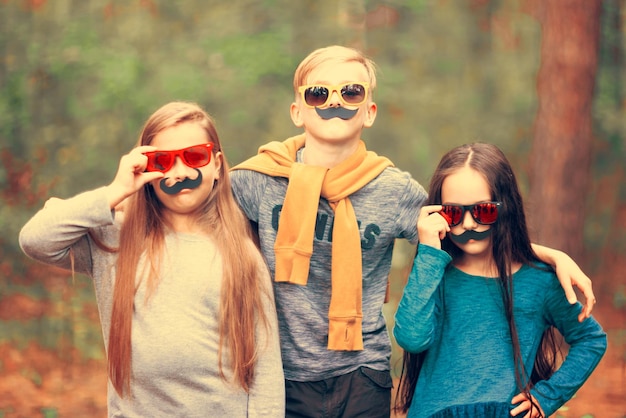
131	175
432	226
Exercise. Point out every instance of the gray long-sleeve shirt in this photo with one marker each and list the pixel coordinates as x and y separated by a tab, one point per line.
386	209
175	337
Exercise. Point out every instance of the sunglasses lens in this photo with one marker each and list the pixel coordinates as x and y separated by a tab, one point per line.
453	214
485	213
196	156
353	93
159	161
316	95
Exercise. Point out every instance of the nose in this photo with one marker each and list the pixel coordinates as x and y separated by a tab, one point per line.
180	170
468	220
335	99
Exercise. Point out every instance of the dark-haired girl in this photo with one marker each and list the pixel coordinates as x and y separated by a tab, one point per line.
478	313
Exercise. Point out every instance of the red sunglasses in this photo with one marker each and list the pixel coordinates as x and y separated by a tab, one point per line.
485	213
195	156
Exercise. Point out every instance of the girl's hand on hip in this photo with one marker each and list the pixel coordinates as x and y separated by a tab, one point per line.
526	405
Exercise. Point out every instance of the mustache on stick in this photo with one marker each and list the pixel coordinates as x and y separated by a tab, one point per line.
336	112
178	186
468	235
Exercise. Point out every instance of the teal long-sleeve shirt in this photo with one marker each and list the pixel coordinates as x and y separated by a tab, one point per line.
459	320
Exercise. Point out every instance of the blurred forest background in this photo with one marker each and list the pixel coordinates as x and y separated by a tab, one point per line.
544	80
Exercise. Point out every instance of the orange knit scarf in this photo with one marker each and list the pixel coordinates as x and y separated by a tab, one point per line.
294	239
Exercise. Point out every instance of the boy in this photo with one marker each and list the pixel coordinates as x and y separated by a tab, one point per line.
328	212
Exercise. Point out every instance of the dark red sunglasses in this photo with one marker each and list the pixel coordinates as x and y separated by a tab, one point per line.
195	156
485	213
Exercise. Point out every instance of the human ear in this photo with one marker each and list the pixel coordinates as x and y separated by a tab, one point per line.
296	115
370	114
218	164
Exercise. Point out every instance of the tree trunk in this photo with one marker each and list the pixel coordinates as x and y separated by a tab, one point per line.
561	153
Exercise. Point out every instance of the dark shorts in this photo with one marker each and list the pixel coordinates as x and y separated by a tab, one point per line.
363	393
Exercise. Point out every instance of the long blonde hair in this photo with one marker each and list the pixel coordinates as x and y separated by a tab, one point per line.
142	233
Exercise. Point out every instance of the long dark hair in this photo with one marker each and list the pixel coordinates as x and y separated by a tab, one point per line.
510	244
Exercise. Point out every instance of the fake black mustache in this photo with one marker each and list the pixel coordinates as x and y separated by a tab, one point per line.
185	184
336	112
468	235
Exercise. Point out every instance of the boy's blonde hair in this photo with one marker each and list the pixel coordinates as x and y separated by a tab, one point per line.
332	54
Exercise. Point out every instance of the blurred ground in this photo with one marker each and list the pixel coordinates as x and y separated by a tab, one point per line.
38	383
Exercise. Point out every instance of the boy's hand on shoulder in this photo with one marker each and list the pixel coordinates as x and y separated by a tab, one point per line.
570	275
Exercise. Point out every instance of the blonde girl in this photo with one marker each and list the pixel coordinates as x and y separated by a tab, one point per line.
184	296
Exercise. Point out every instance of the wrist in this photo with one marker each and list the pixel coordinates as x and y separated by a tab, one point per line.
114	195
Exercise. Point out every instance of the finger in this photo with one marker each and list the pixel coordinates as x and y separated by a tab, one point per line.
426	211
584	284
139	166
446	218
143	148
587	308
570	294
149	176
520	397
434	210
591	301
136	161
520	408
523	402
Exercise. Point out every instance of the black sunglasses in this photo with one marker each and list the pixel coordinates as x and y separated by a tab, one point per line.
485	213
